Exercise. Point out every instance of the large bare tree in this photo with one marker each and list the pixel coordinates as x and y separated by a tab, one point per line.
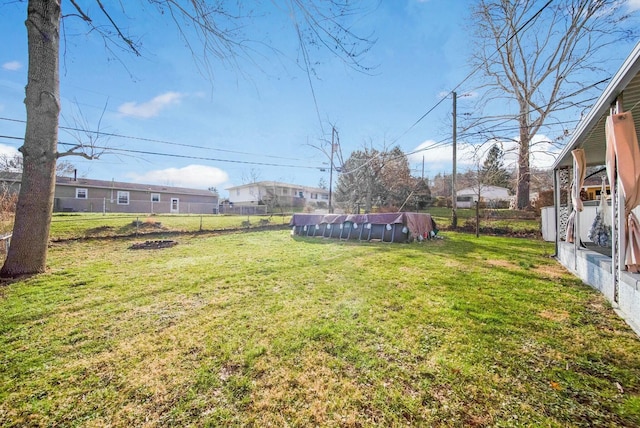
211	29
545	58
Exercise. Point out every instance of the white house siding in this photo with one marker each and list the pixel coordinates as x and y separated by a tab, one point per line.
466	198
548	220
289	194
101	198
98	205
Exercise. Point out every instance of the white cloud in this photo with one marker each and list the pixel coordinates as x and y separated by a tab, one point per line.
543	152
434	152
12	65
150	108
7	154
633	5
8	151
193	176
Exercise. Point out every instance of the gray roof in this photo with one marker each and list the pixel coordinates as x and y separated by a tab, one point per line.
110	184
590	132
69	181
278	184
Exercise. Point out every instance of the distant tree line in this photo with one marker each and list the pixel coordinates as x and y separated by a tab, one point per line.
372	179
382	179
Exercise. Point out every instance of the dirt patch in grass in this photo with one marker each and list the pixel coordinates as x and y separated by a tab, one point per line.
501	263
552	271
449	263
558	316
153	245
99	230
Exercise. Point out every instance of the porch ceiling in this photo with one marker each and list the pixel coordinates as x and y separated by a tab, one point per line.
590	132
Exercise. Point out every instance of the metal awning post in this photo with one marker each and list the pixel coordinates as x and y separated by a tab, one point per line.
618	240
576	221
557	200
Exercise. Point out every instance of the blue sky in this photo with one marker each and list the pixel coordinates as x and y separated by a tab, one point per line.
257	119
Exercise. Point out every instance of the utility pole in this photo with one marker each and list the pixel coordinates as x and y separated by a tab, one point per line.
333	133
454	205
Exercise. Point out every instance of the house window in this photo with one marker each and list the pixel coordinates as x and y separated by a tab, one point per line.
237	192
314	196
123	198
155	197
325	196
81	193
300	194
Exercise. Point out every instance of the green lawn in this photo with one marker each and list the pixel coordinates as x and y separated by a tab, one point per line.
83	225
508	221
88	225
262	329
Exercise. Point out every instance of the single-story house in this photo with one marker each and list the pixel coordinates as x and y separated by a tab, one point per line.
606	137
88	195
490	195
282	194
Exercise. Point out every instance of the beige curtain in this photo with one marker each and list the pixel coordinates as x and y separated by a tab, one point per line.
579	172
623	155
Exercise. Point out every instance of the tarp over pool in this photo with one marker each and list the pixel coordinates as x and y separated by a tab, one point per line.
387	227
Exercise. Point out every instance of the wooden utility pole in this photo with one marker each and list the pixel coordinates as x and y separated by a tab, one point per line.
333	133
454	205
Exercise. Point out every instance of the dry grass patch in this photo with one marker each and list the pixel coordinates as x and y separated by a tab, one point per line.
502	263
557	316
552	271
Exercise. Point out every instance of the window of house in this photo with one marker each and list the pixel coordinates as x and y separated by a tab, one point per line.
300	194
314	196
325	196
155	197
81	193
237	192
123	198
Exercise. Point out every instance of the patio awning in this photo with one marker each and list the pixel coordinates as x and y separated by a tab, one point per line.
590	132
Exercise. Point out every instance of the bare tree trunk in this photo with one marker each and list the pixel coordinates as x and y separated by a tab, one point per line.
28	251
522	190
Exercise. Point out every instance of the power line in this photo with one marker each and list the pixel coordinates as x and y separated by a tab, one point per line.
152	140
456	87
475	69
173	155
112	149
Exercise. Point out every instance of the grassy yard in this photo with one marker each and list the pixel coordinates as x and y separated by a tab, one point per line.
93	225
83	225
260	329
506	220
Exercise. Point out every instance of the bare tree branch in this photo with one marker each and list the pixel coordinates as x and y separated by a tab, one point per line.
538	59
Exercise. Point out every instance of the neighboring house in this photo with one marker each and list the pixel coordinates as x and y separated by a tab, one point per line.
87	195
592	187
492	196
604	266
278	194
